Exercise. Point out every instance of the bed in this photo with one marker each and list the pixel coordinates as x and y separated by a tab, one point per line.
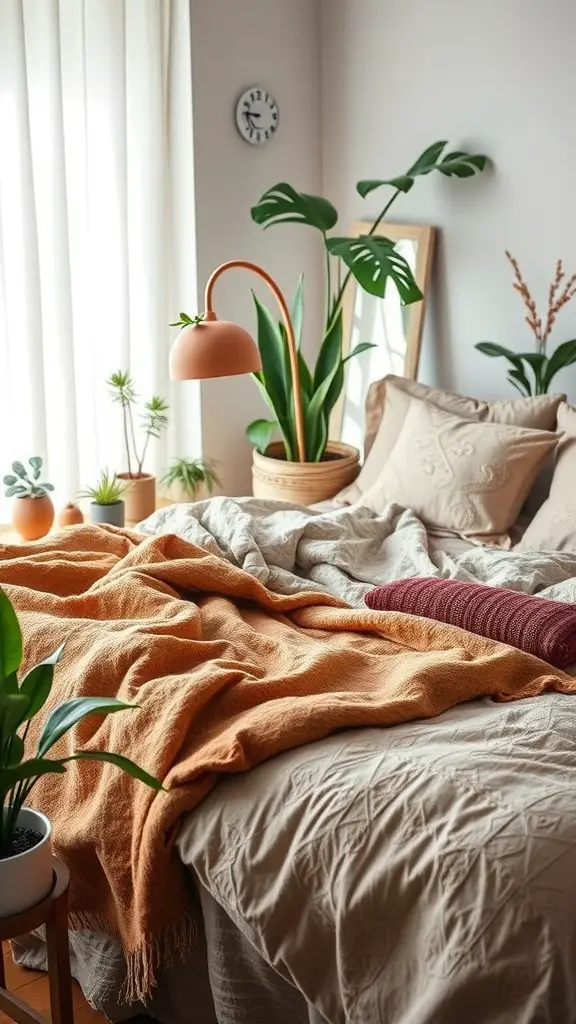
432	863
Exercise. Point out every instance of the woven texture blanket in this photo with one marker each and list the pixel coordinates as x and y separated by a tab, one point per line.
226	674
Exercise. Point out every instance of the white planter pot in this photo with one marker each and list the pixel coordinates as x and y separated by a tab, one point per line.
28	877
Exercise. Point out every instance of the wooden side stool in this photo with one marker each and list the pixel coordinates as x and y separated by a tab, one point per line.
53	913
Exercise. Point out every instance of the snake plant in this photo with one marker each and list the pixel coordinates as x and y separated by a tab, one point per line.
371	259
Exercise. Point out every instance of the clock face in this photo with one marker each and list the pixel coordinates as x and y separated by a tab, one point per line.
257	115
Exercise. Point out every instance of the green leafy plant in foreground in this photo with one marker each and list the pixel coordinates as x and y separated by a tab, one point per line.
154	419
20	702
24	483
537	365
372	259
107	491
190	474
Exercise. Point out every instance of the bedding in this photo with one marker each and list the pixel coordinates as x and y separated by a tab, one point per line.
400	875
553	528
467	477
384	421
546	629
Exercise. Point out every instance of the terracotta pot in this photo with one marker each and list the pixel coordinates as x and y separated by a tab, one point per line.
32	517
26	878
139	496
303	483
70	515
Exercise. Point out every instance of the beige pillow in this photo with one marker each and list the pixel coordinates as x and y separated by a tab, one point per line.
458	474
383	425
554	526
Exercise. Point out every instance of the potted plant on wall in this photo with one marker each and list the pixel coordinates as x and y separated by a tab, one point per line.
32	508
373	261
188	479
25	833
140	494
106	500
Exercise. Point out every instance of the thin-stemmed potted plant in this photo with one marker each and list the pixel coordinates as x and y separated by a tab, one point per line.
32	508
532	373
25	833
106	500
140	495
188	479
373	261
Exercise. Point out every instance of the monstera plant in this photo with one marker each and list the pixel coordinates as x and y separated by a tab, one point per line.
372	259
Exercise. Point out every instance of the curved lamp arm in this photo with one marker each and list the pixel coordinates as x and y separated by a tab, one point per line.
292	350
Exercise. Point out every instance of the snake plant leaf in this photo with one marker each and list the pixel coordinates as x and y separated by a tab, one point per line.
297	310
10	639
306	382
272	355
282	204
15	751
37	683
374	260
70	712
403	183
316	418
260	433
564	355
361	347
427	160
330	354
119	760
284	426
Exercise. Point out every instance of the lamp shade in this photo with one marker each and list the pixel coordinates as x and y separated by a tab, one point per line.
213	348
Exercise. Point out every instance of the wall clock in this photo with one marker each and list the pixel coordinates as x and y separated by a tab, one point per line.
257	115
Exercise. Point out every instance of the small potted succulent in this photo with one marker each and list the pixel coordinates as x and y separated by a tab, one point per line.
190	479
32	508
106	500
25	833
140	493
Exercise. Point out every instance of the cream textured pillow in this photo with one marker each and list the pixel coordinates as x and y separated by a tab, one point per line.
458	474
554	526
384	421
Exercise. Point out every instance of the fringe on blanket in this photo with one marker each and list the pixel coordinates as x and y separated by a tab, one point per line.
173	944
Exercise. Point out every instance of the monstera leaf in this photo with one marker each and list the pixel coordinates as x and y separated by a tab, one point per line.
457	164
282	204
374	261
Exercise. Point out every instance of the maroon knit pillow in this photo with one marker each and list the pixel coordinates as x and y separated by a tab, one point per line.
533	624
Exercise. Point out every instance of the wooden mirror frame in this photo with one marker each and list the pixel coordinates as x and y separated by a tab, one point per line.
424	235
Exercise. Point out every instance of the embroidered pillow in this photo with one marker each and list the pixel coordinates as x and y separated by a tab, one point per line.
384	419
535	625
456	474
554	526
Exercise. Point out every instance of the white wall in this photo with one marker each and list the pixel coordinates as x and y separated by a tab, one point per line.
237	43
497	76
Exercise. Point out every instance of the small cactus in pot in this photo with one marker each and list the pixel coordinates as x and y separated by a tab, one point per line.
32	508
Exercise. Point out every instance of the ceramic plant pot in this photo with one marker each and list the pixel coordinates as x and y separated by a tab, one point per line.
70	515
304	483
26	878
110	515
32	517
139	496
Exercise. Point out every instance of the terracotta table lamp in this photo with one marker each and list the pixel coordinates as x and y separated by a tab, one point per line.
220	348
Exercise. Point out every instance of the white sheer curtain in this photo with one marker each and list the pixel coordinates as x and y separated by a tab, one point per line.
96	226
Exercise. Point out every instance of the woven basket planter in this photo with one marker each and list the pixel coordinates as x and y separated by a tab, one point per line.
303	483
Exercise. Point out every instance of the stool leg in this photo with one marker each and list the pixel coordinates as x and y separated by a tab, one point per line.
59	963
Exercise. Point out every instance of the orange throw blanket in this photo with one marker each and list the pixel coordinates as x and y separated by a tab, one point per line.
226	674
